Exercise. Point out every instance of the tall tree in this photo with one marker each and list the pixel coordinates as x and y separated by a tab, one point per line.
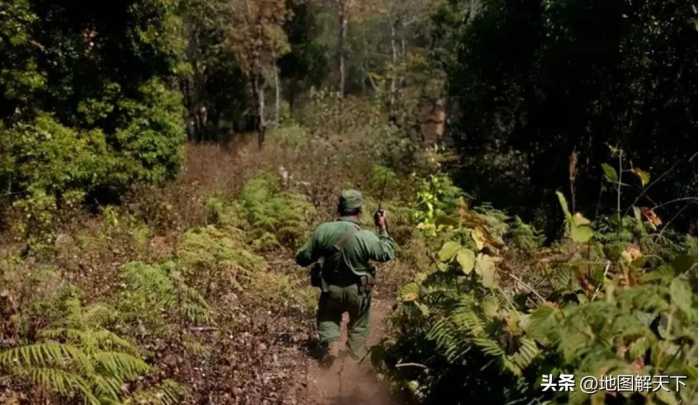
258	40
307	64
535	81
212	82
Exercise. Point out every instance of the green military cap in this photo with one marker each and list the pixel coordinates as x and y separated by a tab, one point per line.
349	200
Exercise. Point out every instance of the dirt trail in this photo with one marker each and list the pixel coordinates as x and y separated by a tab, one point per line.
348	382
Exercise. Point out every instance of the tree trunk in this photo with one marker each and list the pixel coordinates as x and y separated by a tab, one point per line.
277	95
259	90
394	59
342	34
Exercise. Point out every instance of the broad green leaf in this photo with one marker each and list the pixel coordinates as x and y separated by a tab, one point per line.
479	238
486	268
580	233
490	306
666	397
643	175
465	258
682	296
579	220
564	205
448	251
610	173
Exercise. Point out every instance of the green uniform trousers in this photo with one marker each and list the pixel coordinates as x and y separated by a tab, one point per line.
332	305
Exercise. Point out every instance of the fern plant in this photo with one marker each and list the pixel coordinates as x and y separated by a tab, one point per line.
150	291
498	334
78	358
606	300
280	217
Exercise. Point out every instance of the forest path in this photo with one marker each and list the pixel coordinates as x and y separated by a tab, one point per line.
348	382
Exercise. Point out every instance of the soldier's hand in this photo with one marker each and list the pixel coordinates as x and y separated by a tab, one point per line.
380	219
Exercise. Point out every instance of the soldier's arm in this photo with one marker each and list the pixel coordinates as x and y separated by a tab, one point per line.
379	247
308	253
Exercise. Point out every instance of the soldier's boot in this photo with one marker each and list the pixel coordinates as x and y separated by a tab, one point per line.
327	354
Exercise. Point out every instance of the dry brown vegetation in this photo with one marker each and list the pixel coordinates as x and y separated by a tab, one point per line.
211	298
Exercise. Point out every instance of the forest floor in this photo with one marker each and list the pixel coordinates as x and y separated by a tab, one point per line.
281	343
346	381
255	347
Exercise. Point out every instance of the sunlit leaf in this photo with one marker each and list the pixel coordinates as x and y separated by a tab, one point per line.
486	268
479	238
610	173
490	306
579	220
637	213
643	175
465	258
423	308
448	251
581	233
564	204
682	296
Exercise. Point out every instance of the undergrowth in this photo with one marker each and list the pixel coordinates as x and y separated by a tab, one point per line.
495	310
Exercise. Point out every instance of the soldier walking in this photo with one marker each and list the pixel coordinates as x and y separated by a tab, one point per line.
340	252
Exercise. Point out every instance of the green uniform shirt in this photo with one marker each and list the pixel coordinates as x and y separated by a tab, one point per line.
358	250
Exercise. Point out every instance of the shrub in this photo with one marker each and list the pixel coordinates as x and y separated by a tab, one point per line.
151	291
604	301
151	134
274	216
50	168
78	358
211	258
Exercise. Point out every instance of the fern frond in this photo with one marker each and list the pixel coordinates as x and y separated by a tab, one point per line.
106	388
121	366
62	382
46	354
526	353
97	314
167	392
109	340
489	346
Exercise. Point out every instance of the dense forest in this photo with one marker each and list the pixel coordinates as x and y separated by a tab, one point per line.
162	160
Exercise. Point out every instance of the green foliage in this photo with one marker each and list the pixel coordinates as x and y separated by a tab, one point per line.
437	198
509	68
211	77
48	156
84	107
577	226
20	77
622	303
151	134
167	392
208	249
151	291
78	358
275	217
215	260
